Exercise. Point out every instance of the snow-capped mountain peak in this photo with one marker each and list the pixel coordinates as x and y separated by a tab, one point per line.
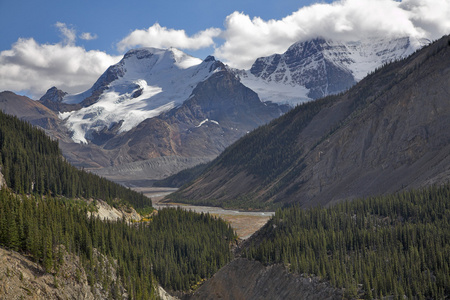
154	59
145	83
318	67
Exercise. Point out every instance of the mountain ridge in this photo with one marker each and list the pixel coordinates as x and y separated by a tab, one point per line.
319	67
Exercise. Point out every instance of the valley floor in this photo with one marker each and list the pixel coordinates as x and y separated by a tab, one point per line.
244	222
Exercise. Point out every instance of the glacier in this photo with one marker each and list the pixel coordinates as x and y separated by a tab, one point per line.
147	82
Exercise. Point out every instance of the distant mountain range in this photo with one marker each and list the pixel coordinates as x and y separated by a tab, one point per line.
159	103
319	67
388	133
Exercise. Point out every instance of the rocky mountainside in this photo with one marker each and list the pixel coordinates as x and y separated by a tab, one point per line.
23	278
252	280
318	67
388	133
145	83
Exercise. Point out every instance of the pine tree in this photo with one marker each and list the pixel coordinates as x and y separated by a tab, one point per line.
12	231
48	252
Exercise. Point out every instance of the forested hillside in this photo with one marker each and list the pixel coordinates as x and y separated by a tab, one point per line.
32	163
43	213
392	245
176	248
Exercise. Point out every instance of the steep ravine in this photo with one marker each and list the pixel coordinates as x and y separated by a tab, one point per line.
243	278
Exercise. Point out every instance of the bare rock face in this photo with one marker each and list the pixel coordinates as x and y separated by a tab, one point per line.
21	278
2	180
53	95
163	295
325	67
308	66
107	212
53	99
245	279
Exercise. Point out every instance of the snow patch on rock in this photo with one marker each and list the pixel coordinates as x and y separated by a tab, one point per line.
207	120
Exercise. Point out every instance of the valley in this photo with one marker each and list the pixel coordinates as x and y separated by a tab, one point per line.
159	111
319	173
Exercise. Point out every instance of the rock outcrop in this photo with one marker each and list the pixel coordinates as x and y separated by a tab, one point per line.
21	278
2	180
107	212
53	99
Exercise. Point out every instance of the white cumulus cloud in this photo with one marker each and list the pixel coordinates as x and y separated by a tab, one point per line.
163	37
33	68
246	39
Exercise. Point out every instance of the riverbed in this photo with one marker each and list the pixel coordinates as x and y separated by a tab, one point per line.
244	222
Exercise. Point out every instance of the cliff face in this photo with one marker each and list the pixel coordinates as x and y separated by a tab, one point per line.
2	180
316	65
245	279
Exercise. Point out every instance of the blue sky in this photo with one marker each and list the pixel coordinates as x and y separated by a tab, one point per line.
111	21
69	44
